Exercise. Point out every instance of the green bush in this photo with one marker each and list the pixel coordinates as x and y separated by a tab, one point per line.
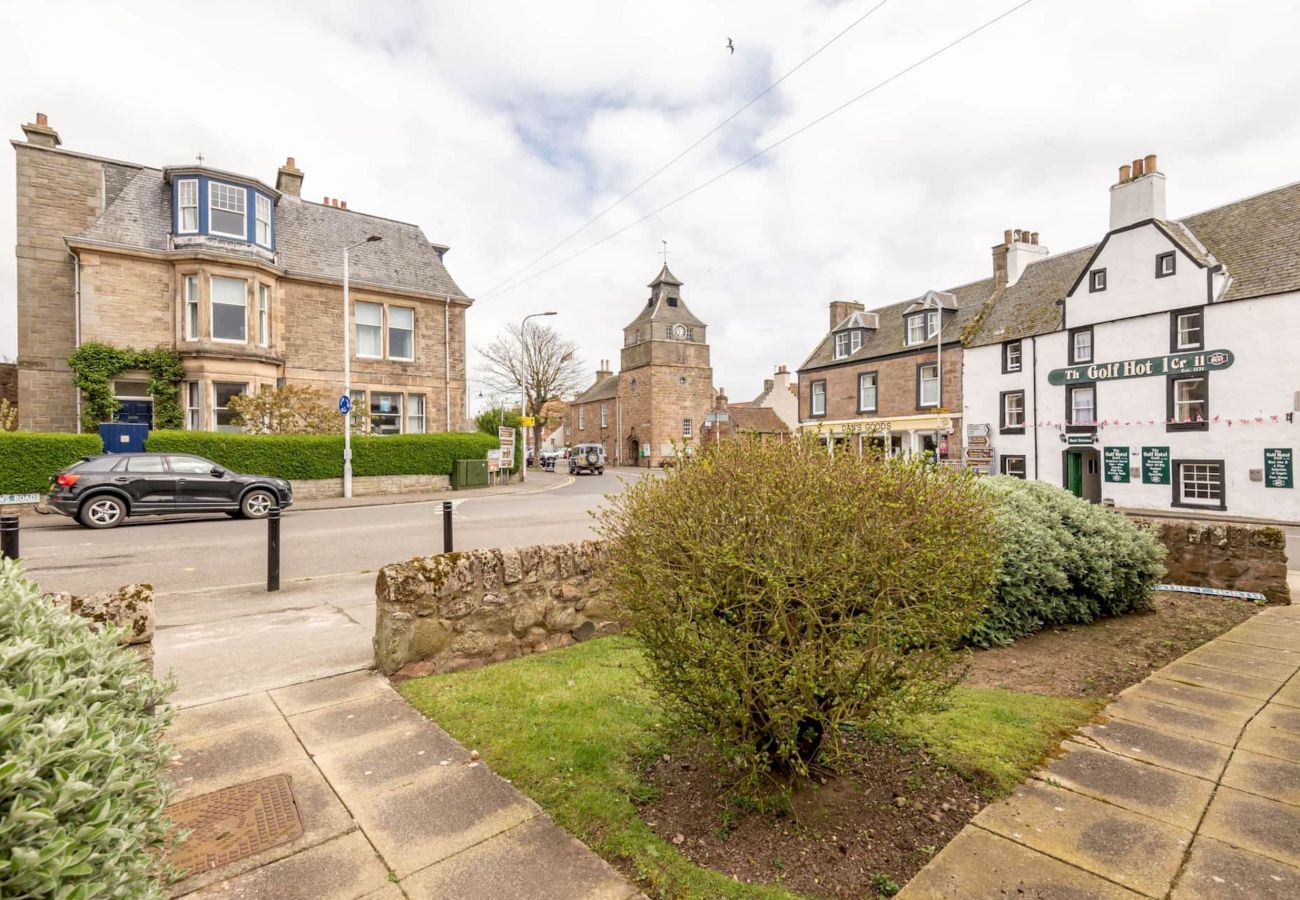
307	456
29	458
781	591
81	754
1064	560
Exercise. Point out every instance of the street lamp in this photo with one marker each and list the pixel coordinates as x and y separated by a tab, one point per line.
523	394
347	367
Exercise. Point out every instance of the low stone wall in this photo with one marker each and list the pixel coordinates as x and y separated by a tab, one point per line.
460	610
129	607
370	485
1234	557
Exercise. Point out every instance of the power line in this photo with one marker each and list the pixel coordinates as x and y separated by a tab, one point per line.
704	137
770	147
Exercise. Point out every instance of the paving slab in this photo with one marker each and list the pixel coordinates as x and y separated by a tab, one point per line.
340	869
537	860
1264	776
1278	635
1140	787
311	695
1265	666
397	759
360	720
224	715
1198	697
1174	719
1121	846
977	863
1283	718
438	815
1225	645
1186	672
1260	738
1172	751
1289	695
392	892
1253	823
1216	870
201	764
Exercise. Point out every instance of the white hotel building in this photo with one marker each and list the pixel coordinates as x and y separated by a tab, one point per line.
1157	369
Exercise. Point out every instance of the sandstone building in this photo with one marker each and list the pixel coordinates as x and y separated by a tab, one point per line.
242	278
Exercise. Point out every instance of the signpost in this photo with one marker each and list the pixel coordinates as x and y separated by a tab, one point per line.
507	438
1155	465
982	453
527	421
19	499
1279	471
976	429
493	461
1174	364
1115	464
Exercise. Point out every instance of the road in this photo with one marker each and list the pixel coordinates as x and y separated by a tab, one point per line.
183	554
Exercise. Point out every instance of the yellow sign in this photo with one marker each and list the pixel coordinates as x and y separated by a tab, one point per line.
527	421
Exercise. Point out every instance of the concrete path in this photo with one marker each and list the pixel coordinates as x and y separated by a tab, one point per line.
1188	787
391	806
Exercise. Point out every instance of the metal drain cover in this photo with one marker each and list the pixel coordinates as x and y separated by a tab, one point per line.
234	822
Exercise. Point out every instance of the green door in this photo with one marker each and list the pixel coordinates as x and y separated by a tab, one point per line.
1074	473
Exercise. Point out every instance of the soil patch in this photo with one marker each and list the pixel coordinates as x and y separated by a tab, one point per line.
1104	657
861	832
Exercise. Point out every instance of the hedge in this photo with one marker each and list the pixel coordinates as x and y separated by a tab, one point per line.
29	458
309	456
81	756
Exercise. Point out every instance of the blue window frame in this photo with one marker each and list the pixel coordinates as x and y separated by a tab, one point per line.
202	205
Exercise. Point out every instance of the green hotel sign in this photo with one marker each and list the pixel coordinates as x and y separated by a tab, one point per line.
1115	464
1174	364
1155	465
1278	468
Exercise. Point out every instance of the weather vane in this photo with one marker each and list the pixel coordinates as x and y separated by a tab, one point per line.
200	157
665	252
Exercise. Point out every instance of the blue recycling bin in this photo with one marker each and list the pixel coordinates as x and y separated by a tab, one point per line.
123	437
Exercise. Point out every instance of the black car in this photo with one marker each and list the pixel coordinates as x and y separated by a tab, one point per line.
101	491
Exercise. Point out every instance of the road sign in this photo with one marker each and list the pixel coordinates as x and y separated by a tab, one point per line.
345	404
979	430
494	460
507	438
19	499
981	453
977	441
527	421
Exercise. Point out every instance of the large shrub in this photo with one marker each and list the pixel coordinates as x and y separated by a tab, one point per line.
781	591
307	456
81	753
1064	560
29	458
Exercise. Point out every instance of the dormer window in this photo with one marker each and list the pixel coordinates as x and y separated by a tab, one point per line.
922	326
263	220
187	201
847	343
226	210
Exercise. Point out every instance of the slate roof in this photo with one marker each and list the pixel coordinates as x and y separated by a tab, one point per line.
604	389
309	236
1030	306
658	309
759	419
888	338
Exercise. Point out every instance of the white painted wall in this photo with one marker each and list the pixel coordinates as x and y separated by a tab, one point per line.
1132	288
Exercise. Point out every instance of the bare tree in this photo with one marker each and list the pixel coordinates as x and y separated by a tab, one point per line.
536	359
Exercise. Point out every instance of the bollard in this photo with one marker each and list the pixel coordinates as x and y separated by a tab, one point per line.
9	537
273	549
446	526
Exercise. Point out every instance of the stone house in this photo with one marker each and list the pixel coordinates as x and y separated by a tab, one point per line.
781	394
242	278
727	420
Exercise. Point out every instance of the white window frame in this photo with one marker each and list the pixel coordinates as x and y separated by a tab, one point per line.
416	402
604	415
1077	391
212	309
1200	470
190	303
186	186
357	326
242	192
847	343
193	406
1075	356
928	320
582	417
817	391
399	413
1007	408
921	400
1004	466
263	314
388	329
1007	365
218	409
688	428
875	392
1199	329
260	202
1181	405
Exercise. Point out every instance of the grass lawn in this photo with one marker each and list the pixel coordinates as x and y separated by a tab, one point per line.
568	727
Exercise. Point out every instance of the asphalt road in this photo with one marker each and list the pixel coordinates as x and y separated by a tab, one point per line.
178	554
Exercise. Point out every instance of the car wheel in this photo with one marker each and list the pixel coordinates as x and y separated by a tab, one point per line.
234	513
256	504
104	511
600	471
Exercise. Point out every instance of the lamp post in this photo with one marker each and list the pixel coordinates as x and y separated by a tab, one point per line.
523	391
347	367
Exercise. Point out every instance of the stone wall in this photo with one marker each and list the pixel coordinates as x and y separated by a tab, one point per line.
1235	557
129	607
370	485
9	382
461	610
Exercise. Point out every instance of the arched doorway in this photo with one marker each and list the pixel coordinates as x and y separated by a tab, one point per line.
633	451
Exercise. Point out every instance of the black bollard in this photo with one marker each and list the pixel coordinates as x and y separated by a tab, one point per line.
9	537
446	526
273	549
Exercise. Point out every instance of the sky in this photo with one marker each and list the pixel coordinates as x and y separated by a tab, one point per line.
501	128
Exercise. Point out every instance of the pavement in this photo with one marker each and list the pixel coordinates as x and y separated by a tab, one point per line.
1188	786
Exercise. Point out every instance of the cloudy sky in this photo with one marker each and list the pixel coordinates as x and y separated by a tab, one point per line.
502	127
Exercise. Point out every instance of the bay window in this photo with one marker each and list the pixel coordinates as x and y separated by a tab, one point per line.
190	288
263	220
229	309
263	315
227	213
222	417
187	201
415	414
192	409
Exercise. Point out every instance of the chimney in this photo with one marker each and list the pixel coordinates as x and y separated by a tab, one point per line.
768	385
604	371
289	179
1018	249
720	400
1140	195
781	380
326	201
40	133
343	204
842	309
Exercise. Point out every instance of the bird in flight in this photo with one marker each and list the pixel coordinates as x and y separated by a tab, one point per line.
731	47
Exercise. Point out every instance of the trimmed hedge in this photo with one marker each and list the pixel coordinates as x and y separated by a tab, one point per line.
81	756
311	456
29	458
1064	561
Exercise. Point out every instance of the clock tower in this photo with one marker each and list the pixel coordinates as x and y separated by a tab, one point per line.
665	385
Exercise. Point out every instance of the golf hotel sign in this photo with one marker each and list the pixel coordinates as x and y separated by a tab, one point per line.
1174	364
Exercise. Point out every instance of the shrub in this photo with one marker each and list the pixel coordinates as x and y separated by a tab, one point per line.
29	458
81	754
1064	560
781	591
306	456
290	409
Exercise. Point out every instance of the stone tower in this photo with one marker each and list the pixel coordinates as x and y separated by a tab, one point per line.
666	383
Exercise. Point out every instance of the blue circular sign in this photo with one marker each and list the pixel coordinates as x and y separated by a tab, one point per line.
345	405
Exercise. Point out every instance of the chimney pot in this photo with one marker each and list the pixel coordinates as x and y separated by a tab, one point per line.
326	201
1137	168
343	204
1149	164
1015	235
1125	173
42	119
1006	237
288	163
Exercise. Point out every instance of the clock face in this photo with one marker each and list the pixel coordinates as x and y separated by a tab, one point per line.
679	331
